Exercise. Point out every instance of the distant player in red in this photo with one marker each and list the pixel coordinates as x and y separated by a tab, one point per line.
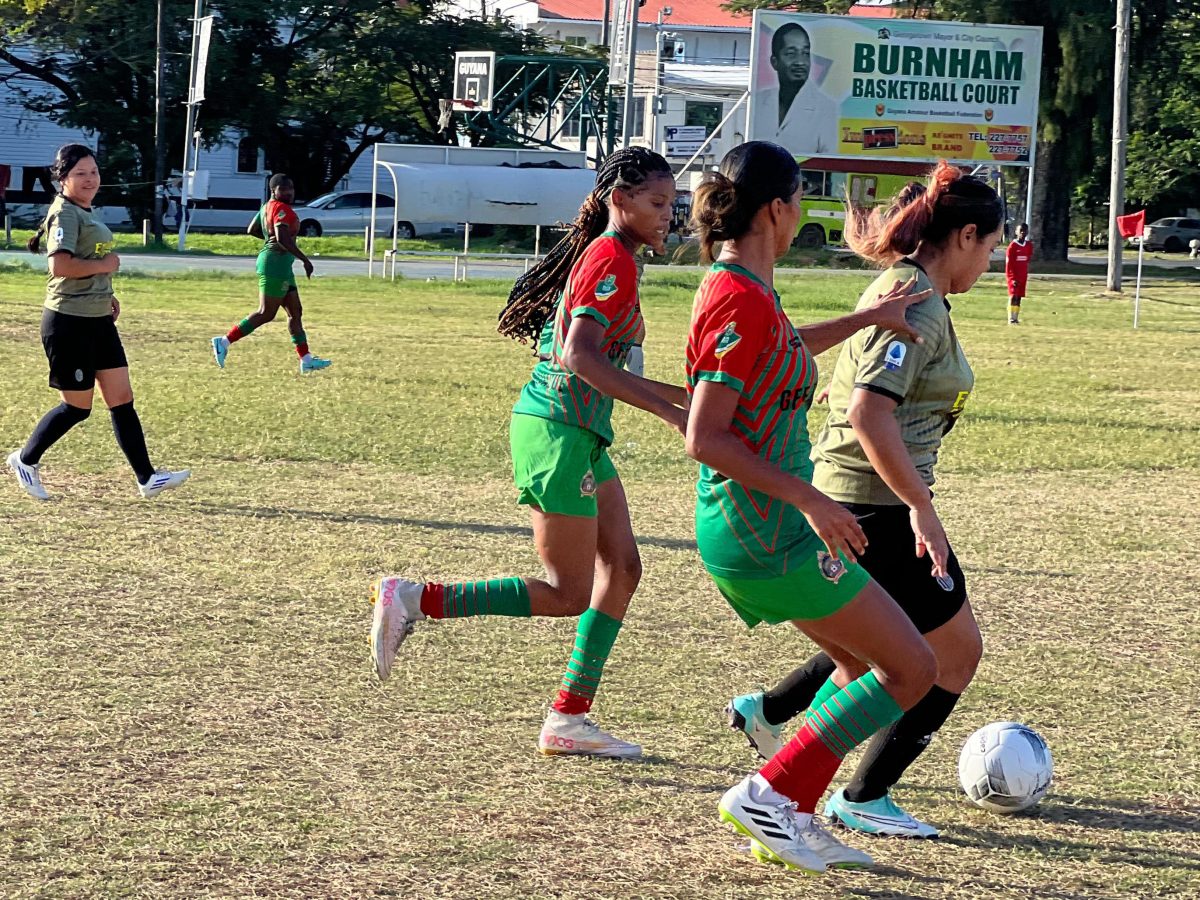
1016	271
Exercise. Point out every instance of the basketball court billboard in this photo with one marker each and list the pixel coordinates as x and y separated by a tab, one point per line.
896	89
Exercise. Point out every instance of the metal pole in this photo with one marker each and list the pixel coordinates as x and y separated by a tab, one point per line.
187	131
708	140
1137	291
1116	196
604	23
160	146
630	69
658	68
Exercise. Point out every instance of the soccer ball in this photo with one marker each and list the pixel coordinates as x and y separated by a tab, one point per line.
1005	767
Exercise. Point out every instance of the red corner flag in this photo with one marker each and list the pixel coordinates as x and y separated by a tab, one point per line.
1132	225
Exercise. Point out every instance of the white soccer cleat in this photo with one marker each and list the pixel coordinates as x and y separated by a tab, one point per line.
163	480
397	605
776	830
27	476
836	854
577	735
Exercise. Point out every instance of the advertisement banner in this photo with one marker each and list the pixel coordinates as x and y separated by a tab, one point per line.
895	89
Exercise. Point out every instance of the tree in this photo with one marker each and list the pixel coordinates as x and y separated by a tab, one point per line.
315	85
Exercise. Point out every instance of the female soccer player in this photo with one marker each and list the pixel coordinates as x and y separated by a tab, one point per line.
778	549
79	329
1016	271
583	302
891	401
277	224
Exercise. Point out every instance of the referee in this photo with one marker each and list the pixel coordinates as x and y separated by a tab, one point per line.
79	329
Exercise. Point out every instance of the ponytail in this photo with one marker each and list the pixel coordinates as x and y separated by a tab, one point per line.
751	175
34	244
922	213
534	295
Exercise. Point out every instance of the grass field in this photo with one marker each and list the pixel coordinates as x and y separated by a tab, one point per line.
189	710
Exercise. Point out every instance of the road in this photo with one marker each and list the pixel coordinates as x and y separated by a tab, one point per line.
443	270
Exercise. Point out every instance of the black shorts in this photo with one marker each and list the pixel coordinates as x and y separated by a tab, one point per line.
78	347
892	561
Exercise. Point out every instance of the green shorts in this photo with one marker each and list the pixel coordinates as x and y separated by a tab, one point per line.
814	590
557	467
275	275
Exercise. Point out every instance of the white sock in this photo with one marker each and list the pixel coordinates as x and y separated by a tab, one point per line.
307	357
761	790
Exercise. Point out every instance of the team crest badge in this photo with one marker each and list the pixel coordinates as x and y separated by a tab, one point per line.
989	114
832	568
587	487
58	234
879	109
728	340
606	288
894	358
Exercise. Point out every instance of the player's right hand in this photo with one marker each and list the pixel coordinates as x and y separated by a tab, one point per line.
889	308
308	268
110	262
931	538
837	527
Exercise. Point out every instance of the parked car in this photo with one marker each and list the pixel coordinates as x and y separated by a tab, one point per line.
1173	235
347	212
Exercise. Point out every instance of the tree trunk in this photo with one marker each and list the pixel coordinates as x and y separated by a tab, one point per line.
1051	223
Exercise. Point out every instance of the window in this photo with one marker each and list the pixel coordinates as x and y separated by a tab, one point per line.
707	114
571	41
639	117
812	183
247	157
570	126
837	185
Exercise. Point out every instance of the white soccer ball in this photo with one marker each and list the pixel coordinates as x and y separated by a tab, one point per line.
1005	767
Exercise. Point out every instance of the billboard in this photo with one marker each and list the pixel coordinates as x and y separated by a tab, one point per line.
897	89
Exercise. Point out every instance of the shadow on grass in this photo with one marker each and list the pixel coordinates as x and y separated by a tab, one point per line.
312	515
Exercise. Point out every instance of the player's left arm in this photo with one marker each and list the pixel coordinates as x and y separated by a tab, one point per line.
287	240
887	312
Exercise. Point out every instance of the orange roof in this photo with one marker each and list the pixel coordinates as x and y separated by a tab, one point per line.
683	12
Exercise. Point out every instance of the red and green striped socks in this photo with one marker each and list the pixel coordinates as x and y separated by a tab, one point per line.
594	639
300	342
497	597
834	726
239	331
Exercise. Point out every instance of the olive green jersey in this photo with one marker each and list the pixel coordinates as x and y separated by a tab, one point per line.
930	383
78	231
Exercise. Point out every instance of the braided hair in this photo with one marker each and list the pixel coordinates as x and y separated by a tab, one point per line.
67	158
534	295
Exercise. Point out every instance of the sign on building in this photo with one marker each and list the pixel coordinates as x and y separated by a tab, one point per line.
896	89
474	80
684	140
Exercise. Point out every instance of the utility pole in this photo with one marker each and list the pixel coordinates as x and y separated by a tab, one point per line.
188	129
631	67
604	23
1116	196
160	147
657	100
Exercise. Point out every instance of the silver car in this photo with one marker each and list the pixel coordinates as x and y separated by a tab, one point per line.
348	212
1172	235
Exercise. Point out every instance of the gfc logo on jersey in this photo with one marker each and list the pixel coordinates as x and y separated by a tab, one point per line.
606	288
895	356
727	341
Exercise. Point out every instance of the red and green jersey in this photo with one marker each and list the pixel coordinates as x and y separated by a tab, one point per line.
741	338
603	285
272	213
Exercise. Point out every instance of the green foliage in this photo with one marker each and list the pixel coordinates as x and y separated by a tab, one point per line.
315	84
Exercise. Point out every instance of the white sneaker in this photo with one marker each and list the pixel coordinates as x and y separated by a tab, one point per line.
28	476
836	854
163	480
397	603
579	736
776	830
